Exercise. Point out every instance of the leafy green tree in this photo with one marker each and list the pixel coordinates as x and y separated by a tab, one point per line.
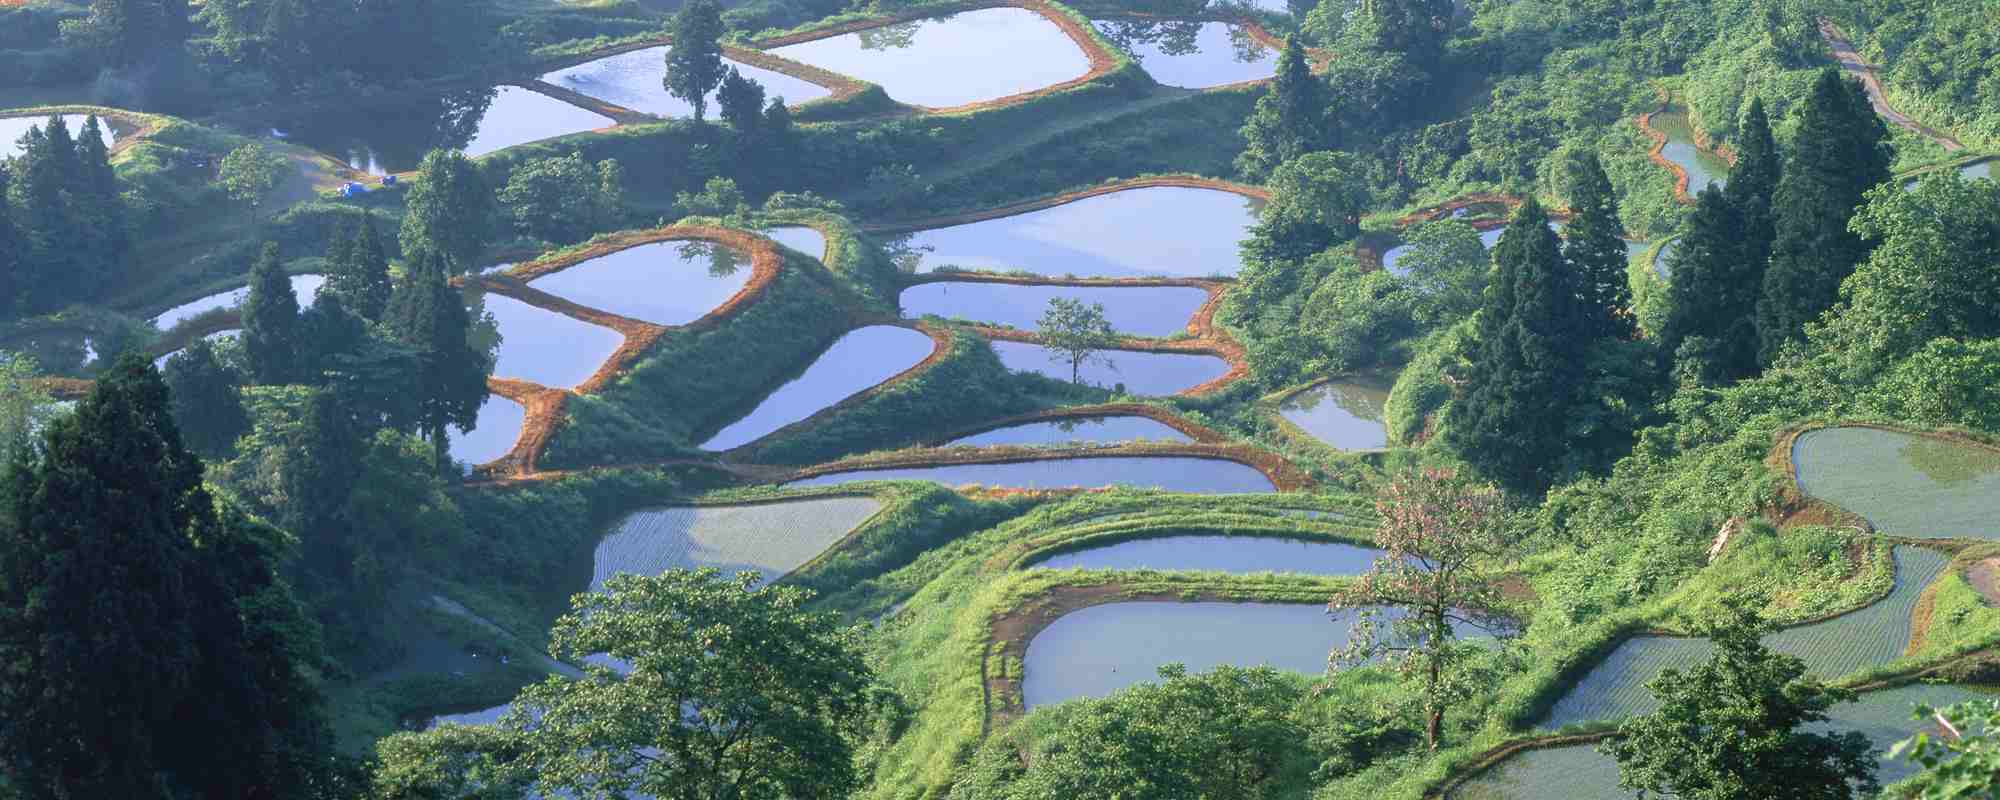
1316	202
563	199
1439	534
694	63
1930	277
1964	765
125	32
1712	293
1228	732
766	696
271	321
742	101
359	269
142	658
1728	729
207	399
1416	29
327	332
449	213
1290	120
1839	152
97	206
23	406
1594	249
1076	334
429	317
718	198
1527	361
250	173
1447	265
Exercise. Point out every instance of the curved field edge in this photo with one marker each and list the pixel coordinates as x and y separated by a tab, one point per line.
1783	453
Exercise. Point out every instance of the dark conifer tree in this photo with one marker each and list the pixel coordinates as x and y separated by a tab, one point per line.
1713	291
1840	152
13	253
327	332
370	285
40	180
1291	119
430	318
271	321
694	63
1594	249
207	399
449	212
1526	363
97	207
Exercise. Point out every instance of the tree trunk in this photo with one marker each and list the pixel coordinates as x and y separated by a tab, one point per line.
1075	369
442	457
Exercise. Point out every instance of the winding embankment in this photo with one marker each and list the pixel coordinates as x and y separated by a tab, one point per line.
1852	63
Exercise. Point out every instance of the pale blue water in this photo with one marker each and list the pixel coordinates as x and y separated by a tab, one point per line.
498	428
801	238
1160	230
1146	374
545	347
952	60
304	287
666	283
634	80
1095	430
859	360
1240	555
1133	310
1343	415
1169	473
519	116
1193	55
13	128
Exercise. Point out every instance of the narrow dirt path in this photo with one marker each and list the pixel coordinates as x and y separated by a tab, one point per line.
1851	63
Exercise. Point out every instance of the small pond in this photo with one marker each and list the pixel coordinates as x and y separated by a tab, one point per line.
1905	485
1190	54
1702	166
857	361
1392	258
520	116
634	80
637	81
304	287
952	60
1169	473
1159	230
1346	416
1131	310
13	128
665	283
1077	430
542	346
770	539
1983	169
498	428
1146	374
801	238
393	136
1234	554
231	333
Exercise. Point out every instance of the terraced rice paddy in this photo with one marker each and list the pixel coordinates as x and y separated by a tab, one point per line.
1158	230
1079	430
1983	169
1869	637
801	238
1579	772
13	128
771	539
1239	555
1905	485
1664	257
635	80
520	116
161	362
1157	311
499	426
1703	167
1346	416
304	287
1193	55
952	60
861	359
542	346
1141	373
1393	257
666	283
1169	473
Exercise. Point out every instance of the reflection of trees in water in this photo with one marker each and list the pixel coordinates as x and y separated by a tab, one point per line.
1246	47
1358	402
396	135
896	36
1171	37
907	258
459	114
484	334
722	261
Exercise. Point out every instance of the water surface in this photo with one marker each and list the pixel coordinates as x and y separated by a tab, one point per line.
542	346
770	539
1077	430
1169	473
665	283
1905	485
802	238
1192	55
1159	230
1239	555
861	359
635	80
1131	310
520	116
1346	416
1983	169
229	333
13	128
1141	373
1703	167
494	435
952	60
304	287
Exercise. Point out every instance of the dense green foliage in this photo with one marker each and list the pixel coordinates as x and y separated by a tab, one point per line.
694	64
448	214
63	226
564	200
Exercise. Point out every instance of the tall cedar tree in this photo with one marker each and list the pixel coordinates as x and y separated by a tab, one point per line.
143	651
207	399
13	253
1595	251
360	269
1526	364
1713	292
448	212
1291	119
271	321
96	207
1752	182
694	63
42	174
1840	152
430	317
316	488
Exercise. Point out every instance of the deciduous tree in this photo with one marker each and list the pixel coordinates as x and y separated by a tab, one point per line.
1963	765
448	213
249	174
694	63
564	199
23	406
207	399
1316	202
1076	334
742	101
